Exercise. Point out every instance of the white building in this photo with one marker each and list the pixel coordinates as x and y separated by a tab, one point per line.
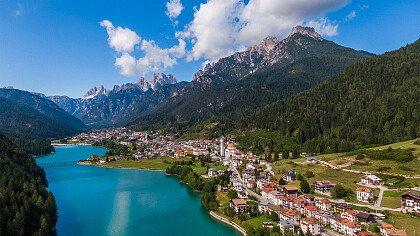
364	194
371	180
310	224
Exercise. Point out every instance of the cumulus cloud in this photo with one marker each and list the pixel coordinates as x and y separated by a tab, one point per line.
221	27
351	15
174	9
323	26
120	39
154	59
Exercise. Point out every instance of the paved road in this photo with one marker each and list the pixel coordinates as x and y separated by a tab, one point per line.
381	194
235	171
328	232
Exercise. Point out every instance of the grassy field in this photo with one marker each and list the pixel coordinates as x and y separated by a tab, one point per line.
409	168
405	221
222	198
158	164
392	199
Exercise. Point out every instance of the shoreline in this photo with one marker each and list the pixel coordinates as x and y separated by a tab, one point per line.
122	168
228	222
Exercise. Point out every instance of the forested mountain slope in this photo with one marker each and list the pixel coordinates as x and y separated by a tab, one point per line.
29	128
26	207
277	69
44	106
374	101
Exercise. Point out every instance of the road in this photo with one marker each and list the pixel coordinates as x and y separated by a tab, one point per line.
328	232
235	171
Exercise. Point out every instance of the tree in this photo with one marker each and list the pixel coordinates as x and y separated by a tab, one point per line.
232	194
309	174
276	156
282	182
304	186
285	155
340	192
299	177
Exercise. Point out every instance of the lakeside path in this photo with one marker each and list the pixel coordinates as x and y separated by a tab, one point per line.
226	221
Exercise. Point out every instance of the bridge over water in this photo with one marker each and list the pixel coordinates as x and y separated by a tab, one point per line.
58	163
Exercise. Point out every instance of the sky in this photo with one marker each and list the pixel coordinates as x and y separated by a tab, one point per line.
65	47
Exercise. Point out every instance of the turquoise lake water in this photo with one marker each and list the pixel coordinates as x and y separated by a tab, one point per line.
103	201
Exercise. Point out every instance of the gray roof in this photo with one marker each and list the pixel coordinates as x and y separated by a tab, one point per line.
266	202
287	223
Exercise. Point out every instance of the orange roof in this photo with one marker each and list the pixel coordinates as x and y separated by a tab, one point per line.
311	208
325	201
352	212
267	190
239	202
300	201
291	188
366	190
291	212
231	145
387	226
310	220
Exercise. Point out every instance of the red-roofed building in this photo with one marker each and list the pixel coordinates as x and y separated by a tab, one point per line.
309	210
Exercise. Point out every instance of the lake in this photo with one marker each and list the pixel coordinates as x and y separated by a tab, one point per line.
104	201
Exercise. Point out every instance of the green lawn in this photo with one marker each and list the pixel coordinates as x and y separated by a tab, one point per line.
408	168
405	221
392	199
222	198
146	164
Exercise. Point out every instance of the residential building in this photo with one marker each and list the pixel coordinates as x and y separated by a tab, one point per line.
289	176
323	187
310	198
365	233
371	180
287	225
364	194
275	196
347	227
410	201
309	210
299	204
238	205
341	207
365	218
323	217
351	215
310	224
212	172
290	214
291	191
323	204
264	204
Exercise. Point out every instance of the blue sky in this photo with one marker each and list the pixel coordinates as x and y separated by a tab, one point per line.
60	47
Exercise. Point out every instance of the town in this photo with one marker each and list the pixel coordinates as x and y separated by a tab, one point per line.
257	187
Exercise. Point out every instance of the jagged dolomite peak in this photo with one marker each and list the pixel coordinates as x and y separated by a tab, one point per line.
309	31
95	92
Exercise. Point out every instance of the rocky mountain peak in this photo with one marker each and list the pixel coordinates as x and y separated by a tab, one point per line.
143	84
269	43
159	79
309	31
95	92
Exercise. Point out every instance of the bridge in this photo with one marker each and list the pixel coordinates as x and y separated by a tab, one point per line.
58	163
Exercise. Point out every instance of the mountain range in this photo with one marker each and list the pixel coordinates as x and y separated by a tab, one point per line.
240	93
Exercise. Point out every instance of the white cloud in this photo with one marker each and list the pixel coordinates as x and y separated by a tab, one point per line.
351	15
221	27
154	59
174	9
120	39
323	26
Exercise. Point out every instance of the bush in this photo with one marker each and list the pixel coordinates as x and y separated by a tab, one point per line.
360	157
340	192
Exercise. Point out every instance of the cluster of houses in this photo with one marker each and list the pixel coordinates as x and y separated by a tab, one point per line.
103	134
303	212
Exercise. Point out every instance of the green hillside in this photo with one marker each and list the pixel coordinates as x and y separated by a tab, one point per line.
375	101
28	128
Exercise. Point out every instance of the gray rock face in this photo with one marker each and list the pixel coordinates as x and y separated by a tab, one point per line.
100	107
96	92
309	31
